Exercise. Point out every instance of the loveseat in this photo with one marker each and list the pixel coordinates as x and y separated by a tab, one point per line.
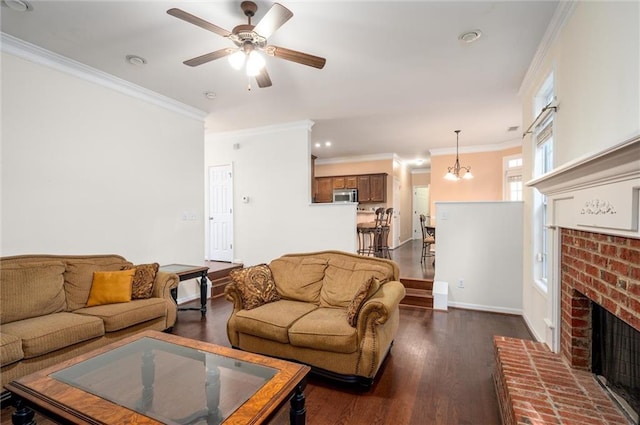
334	311
44	315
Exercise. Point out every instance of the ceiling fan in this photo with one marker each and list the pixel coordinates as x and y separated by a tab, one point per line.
249	40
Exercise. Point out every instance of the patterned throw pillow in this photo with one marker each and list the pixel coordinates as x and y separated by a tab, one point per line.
368	288
256	285
143	279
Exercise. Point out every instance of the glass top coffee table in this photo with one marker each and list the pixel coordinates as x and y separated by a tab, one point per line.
158	378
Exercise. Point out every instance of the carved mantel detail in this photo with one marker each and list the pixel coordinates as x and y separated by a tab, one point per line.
597	207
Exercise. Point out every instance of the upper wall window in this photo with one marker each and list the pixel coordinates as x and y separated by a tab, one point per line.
512	178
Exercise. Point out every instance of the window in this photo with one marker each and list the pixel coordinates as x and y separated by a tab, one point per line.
543	163
512	166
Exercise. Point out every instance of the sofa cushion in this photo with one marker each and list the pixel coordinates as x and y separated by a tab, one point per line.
325	329
272	320
368	288
122	315
44	334
31	289
256	285
299	278
10	349
110	287
143	280
343	278
78	277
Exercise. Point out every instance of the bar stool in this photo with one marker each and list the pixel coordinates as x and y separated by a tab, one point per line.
369	235
384	235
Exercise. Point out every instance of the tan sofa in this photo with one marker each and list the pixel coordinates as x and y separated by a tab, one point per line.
44	319
309	323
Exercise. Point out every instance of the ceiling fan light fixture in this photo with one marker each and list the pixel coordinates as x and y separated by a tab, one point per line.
237	59
255	63
18	5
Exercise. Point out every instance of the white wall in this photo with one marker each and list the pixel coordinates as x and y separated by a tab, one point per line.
272	166
595	57
87	169
480	243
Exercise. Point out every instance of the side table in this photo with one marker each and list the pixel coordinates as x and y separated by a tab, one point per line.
186	272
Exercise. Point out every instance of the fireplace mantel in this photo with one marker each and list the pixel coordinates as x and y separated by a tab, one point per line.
598	193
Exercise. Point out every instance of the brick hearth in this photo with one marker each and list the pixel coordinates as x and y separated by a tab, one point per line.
538	387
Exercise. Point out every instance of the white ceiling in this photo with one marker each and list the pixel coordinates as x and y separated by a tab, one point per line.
397	79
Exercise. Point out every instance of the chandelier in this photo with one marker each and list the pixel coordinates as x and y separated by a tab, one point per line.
453	173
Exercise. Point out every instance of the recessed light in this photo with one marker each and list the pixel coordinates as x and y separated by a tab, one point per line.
317	145
210	95
470	36
17	5
135	60
327	143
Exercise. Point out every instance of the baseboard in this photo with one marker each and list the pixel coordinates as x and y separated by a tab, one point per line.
487	308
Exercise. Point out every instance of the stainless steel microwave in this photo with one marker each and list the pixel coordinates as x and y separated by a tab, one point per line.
345	195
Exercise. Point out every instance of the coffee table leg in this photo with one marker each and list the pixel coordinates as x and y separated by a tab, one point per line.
298	412
23	415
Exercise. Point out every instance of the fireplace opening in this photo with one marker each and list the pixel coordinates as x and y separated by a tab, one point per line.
615	359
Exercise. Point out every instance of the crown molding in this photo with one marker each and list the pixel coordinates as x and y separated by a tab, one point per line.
275	128
358	158
477	149
558	20
30	52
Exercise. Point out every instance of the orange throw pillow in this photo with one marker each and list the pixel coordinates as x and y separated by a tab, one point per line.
110	287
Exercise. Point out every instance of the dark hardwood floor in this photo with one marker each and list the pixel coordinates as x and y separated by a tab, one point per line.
439	370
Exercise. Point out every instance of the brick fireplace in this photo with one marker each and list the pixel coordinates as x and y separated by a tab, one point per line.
594	216
600	268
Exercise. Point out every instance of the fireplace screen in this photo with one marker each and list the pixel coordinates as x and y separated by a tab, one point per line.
616	355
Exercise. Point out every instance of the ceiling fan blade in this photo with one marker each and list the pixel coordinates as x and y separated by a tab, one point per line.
293	56
209	57
272	20
181	14
263	79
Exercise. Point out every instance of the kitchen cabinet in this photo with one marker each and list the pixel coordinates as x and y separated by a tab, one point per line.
324	189
378	187
372	188
364	191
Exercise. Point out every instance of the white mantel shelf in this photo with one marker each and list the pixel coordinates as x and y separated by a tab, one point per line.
599	192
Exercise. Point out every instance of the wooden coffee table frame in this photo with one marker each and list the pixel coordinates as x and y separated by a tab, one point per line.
74	405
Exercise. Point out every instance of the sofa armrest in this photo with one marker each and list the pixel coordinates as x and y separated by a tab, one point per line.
380	305
378	322
162	287
232	294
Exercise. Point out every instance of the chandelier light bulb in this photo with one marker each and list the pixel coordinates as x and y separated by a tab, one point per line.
237	60
468	175
255	63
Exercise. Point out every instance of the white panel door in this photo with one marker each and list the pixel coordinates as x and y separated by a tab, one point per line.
420	206
221	213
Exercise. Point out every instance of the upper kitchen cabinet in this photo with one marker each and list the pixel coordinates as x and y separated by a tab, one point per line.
372	188
378	186
324	189
351	182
